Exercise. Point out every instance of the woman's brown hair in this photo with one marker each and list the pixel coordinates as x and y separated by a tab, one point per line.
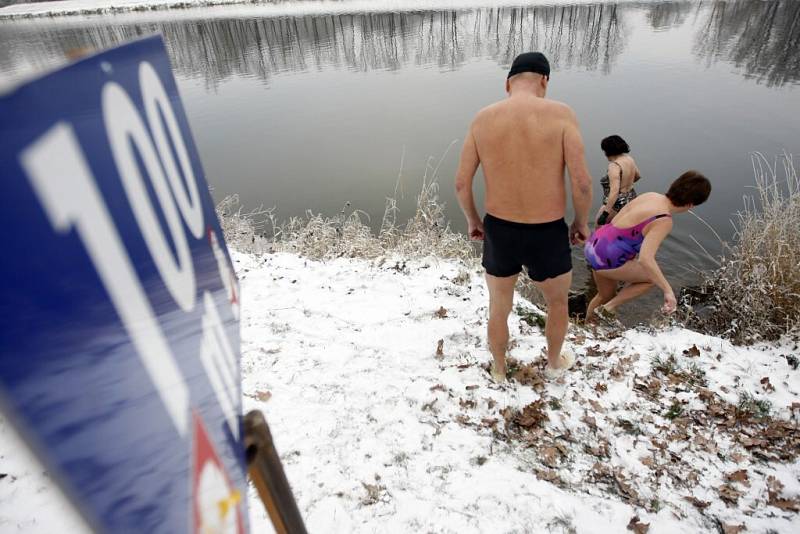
691	187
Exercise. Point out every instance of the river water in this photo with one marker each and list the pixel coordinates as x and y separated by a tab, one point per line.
303	111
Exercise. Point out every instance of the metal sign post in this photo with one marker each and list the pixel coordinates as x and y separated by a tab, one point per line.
267	475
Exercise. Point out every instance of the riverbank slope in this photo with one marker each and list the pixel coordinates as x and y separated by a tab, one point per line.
372	376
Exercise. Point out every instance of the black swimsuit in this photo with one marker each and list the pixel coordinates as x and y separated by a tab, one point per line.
623	198
543	248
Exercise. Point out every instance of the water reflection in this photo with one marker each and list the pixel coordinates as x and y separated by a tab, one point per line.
761	38
586	36
670	14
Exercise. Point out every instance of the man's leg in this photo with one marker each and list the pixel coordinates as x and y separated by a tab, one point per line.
556	291
501	298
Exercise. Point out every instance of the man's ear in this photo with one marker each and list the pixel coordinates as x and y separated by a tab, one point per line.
508	86
545	81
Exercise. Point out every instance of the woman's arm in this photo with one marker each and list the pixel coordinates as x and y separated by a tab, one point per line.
655	235
614	179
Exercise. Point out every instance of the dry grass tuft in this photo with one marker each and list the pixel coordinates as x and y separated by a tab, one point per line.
348	234
754	294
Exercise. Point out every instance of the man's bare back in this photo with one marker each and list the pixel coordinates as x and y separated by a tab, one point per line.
520	144
524	142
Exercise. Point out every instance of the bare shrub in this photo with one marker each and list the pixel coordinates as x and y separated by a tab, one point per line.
241	230
754	294
348	234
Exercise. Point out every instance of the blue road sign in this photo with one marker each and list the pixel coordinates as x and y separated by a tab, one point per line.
119	349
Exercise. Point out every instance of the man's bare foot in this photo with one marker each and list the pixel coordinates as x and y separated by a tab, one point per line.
567	361
498	375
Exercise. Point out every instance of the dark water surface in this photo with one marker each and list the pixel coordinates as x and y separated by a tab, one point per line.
312	111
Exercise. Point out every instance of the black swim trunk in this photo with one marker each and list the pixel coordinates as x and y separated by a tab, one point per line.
542	248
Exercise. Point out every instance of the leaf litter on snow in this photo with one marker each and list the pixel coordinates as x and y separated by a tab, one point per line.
670	424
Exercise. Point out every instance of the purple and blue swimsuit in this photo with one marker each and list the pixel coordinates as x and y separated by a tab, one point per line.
610	247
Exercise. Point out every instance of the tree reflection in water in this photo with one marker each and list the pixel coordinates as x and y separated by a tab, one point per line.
588	36
761	38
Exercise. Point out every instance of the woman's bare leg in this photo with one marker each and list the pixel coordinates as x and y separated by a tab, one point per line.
606	290
637	278
628	293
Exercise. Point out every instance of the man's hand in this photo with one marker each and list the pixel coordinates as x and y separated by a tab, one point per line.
475	230
578	233
670	304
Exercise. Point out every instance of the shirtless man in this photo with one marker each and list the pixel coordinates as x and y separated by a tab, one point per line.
523	144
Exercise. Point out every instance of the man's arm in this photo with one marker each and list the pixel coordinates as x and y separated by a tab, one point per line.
579	177
467	166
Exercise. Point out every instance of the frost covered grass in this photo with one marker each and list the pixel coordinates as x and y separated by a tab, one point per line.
373	376
754	294
348	234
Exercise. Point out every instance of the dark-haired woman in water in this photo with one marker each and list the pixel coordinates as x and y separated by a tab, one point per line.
618	181
625	250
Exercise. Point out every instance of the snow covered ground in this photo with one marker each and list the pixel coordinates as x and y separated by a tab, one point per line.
372	377
387	421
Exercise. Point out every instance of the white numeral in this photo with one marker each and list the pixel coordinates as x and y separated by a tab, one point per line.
64	184
125	128
155	98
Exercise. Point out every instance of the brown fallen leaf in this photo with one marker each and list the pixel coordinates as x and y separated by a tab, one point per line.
774	490
263	396
548	475
702	505
739	476
766	385
550	456
440	349
787	505
625	488
774	487
373	493
738	457
462	419
532	415
600	387
596	351
441	313
489	422
467	403
471	387
596	406
600	450
590	422
637	526
732	529
692	352
729	494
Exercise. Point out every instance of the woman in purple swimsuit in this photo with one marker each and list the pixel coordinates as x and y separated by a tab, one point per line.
638	230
